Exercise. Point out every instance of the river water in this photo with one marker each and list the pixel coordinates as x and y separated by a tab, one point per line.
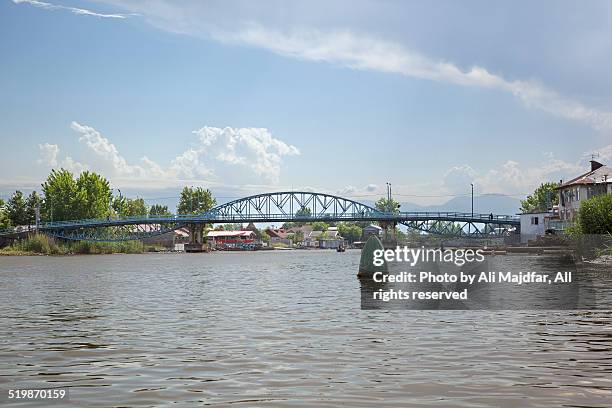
281	328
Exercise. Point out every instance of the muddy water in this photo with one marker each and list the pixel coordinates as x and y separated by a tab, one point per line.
281	329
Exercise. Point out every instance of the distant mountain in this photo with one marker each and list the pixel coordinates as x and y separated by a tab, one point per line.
485	204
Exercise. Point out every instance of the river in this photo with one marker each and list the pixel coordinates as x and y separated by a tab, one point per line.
279	328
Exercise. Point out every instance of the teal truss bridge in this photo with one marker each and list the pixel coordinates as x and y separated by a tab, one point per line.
278	207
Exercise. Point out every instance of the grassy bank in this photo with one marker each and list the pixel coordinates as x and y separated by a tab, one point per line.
43	245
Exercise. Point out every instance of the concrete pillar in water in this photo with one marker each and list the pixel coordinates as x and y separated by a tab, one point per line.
366	263
195	240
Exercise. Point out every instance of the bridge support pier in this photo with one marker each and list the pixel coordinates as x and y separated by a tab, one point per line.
196	239
389	239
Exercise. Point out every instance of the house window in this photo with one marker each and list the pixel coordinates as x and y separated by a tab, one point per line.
534	220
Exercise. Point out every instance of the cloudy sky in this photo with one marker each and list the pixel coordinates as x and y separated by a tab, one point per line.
341	97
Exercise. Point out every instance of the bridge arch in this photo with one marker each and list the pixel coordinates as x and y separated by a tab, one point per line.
303	206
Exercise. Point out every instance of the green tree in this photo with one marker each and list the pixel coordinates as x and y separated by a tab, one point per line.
5	221
159	210
195	201
33	202
60	192
350	231
595	215
543	198
319	226
400	235
93	195
137	207
16	209
387	205
303	212
118	203
133	207
66	198
446	227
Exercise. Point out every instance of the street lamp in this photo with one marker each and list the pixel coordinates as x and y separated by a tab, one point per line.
110	204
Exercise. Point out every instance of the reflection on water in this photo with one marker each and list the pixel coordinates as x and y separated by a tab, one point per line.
279	329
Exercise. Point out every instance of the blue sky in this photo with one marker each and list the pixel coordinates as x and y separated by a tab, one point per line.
246	97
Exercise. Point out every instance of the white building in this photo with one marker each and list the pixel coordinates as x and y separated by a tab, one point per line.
371	230
536	223
324	239
571	193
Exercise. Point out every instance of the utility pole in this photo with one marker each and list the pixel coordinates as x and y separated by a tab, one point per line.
472	184
470	224
387	184
110	204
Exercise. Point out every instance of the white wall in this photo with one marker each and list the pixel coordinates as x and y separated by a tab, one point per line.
529	230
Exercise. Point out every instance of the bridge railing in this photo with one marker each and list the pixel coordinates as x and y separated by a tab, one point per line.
7	231
449	214
126	220
371	216
216	218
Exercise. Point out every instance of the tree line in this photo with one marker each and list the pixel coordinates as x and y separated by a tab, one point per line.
66	197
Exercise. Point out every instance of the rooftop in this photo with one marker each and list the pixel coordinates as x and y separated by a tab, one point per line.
599	173
214	234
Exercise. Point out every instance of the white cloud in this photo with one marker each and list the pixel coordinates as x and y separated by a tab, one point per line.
347	190
252	148
512	177
108	152
73	166
367	53
188	165
602	155
357	191
49	157
48	154
243	25
247	153
457	178
75	10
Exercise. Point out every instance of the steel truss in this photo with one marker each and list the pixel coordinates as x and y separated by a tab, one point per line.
292	206
113	233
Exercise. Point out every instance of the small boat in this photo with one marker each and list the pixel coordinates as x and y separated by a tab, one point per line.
340	248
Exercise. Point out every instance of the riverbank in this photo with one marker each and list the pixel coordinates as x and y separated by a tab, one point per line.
43	245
